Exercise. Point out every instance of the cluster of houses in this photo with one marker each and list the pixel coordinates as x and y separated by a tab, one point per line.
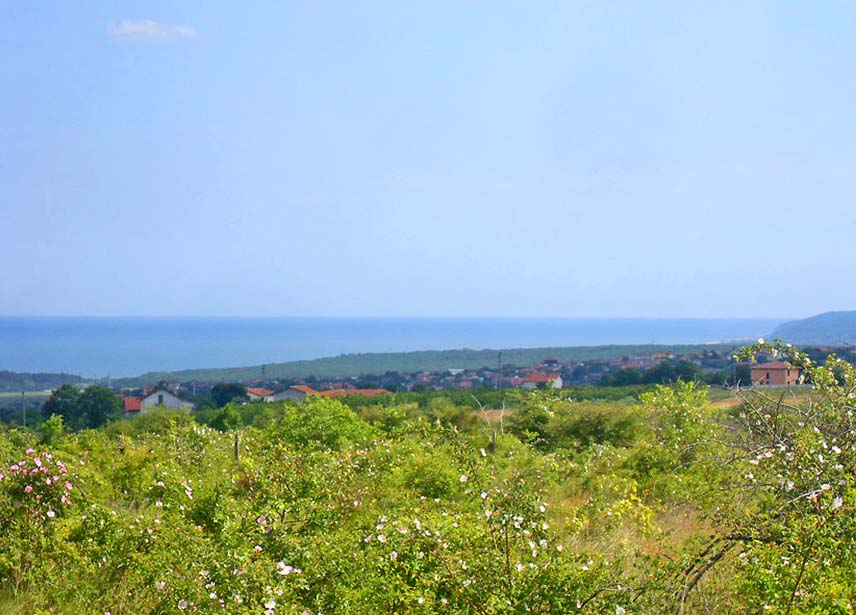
546	374
161	397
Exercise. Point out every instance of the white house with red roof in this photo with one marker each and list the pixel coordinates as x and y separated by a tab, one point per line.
258	394
162	398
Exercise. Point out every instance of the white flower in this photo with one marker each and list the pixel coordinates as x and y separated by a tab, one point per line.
270	604
619	610
421	600
463	478
761	340
283	569
381	537
182	604
484	495
837	503
393	556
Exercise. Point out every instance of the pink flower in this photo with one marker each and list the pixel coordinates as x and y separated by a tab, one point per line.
29	451
51	514
14	467
28	489
68	485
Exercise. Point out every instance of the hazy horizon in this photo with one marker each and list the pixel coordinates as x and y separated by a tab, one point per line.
558	159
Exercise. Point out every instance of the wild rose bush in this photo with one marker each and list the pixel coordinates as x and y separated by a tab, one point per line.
38	488
671	505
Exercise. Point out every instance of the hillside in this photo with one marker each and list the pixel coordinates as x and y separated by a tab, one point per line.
410	362
15	382
829	328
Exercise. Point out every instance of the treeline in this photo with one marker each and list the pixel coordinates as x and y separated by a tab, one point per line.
412	362
16	382
674	371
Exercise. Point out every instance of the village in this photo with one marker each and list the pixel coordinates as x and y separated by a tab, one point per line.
709	366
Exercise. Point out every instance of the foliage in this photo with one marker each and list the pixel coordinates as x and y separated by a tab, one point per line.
93	407
17	382
668	504
224	392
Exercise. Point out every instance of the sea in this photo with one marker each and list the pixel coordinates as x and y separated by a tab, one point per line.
119	347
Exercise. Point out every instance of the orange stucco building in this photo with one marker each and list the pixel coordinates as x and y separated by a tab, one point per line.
775	373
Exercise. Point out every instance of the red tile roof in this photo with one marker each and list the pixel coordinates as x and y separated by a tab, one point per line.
259	392
540	377
305	389
345	392
772	365
132	404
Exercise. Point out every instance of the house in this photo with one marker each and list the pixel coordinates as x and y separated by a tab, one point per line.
536	379
295	393
131	404
258	394
775	373
162	398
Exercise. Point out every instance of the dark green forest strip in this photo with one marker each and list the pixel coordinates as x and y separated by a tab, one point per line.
409	362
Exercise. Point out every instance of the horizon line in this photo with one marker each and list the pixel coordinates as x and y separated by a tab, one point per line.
399	317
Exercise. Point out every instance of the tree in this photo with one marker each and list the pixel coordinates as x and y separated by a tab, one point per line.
63	402
91	408
224	392
98	406
667	372
625	376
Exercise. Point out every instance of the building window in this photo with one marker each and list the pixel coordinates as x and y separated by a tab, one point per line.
160	400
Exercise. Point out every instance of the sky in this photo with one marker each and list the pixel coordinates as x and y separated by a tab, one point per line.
290	158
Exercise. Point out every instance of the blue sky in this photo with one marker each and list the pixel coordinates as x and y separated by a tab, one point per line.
427	159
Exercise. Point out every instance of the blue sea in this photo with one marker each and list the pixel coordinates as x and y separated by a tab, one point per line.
98	347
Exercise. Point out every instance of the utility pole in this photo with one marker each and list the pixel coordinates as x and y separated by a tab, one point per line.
24	407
